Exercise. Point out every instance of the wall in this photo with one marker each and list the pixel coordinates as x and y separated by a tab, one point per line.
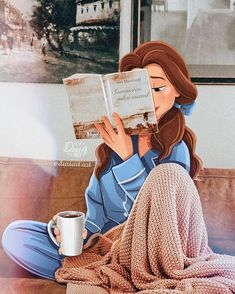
35	123
213	121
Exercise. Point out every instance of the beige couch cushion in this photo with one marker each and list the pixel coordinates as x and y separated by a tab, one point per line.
37	190
217	191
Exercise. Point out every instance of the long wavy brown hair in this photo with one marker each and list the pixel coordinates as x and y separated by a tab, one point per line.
172	128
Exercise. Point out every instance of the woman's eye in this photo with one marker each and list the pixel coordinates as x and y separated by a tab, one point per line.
159	89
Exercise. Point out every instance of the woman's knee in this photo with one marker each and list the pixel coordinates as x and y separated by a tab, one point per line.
170	168
8	237
169	174
27	243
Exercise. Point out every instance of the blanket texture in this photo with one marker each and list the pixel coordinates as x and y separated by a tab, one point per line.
161	248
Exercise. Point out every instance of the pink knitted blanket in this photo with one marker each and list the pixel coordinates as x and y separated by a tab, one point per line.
161	248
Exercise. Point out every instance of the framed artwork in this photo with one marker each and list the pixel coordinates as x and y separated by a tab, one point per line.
44	41
202	31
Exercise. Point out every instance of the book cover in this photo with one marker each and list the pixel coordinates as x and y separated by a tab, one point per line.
127	93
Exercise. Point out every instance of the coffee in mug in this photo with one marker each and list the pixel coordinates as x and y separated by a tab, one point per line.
71	225
69	215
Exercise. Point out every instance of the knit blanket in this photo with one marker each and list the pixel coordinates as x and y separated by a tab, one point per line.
161	248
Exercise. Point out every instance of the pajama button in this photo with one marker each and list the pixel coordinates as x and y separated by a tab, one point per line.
125	214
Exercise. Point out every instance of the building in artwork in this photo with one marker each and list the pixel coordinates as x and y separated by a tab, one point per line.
97	21
99	12
11	18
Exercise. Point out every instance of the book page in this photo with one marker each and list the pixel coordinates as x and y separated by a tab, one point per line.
80	75
131	98
87	104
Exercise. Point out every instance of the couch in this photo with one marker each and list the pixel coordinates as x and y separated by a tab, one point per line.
38	189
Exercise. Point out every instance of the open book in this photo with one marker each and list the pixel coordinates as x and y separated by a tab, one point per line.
128	93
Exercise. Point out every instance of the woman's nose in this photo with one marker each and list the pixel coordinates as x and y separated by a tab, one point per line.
155	100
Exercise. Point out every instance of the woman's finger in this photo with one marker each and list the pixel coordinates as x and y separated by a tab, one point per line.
60	251
84	234
103	133
58	238
119	123
109	127
54	218
56	231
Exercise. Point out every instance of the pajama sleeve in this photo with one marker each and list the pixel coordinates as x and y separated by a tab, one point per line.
95	215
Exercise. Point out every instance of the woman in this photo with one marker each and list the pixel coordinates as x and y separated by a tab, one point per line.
123	162
143	203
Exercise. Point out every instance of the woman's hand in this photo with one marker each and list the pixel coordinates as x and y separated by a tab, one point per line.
58	236
119	142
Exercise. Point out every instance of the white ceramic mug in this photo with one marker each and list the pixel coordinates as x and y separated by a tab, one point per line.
71	225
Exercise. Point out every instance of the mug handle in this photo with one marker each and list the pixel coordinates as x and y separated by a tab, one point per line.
49	227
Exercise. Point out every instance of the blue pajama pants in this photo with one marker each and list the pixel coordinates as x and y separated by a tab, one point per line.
28	243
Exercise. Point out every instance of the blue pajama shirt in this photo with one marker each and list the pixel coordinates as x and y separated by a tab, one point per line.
109	201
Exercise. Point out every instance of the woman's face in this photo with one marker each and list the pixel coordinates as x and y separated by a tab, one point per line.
163	91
